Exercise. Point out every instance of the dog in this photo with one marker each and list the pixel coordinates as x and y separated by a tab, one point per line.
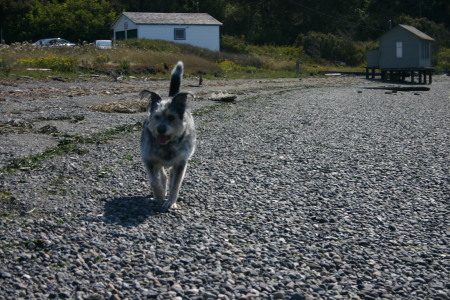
168	138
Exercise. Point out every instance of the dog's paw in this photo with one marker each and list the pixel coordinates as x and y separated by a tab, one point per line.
169	205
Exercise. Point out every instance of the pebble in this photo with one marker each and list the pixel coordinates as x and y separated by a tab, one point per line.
306	193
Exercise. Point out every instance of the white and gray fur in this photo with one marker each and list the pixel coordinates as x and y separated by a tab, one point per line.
168	138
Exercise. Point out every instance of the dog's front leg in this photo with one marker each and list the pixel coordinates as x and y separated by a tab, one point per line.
158	178
176	178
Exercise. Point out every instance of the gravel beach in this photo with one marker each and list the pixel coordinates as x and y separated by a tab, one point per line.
321	188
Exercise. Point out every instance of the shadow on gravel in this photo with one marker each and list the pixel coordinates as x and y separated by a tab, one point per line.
130	211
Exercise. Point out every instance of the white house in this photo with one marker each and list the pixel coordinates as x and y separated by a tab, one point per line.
197	29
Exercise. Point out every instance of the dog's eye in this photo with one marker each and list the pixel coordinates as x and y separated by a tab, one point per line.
170	118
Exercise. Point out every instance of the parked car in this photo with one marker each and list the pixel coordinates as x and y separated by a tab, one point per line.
53	42
103	44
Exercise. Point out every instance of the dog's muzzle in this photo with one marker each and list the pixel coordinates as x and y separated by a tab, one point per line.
163	139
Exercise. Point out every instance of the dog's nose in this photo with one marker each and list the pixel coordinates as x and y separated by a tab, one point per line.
161	128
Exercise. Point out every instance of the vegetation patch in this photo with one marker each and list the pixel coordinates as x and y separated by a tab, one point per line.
121	129
68	146
5	67
141	57
59	186
4	195
65	147
443	59
15	126
61	64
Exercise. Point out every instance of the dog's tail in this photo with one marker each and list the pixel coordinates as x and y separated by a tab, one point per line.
175	80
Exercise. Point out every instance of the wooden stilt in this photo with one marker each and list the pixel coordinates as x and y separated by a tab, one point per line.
402	74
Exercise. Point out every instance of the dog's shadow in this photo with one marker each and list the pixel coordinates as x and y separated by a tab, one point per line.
131	211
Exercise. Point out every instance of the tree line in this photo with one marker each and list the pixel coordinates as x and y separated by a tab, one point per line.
270	22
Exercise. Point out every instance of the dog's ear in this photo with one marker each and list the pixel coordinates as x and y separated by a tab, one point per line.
180	103
154	99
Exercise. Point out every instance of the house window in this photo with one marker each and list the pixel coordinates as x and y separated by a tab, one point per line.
179	33
399	47
425	49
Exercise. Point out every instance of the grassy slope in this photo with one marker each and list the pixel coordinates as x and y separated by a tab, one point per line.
149	57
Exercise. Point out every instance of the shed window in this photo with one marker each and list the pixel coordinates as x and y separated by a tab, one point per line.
399	47
425	49
179	33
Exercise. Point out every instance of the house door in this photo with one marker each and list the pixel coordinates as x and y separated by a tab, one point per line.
120	35
132	34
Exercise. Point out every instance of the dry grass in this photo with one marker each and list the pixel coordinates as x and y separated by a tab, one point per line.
132	106
124	57
278	65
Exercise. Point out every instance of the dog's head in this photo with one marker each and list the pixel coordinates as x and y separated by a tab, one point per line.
167	119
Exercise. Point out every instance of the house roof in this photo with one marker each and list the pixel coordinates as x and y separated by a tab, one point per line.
170	18
416	32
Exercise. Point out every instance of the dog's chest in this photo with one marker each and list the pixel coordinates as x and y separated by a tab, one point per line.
167	154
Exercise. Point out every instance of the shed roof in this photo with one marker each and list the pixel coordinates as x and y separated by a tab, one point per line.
416	32
171	18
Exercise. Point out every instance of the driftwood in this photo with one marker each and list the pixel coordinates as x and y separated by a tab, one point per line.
401	88
223	97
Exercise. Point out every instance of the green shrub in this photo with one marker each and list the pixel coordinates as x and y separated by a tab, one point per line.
328	47
278	52
443	59
100	61
233	44
62	64
5	66
124	66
